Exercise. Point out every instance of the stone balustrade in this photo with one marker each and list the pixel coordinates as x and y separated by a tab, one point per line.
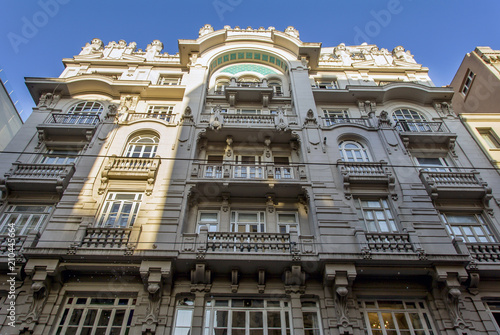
485	252
248	242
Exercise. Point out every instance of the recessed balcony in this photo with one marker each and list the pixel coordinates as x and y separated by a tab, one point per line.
455	185
254	172
130	168
242	91
278	121
38	177
422	133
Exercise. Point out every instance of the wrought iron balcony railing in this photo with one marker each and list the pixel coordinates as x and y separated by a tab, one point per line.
74	118
249	172
334	121
421	127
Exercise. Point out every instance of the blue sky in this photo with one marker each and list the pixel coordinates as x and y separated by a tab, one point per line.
36	34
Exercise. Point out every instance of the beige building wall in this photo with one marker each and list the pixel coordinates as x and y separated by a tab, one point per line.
252	183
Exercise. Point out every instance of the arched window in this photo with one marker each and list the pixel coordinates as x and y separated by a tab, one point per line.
352	151
144	146
84	112
410	120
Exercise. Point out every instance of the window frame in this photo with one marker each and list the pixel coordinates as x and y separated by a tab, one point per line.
365	154
287	225
12	210
420	309
260	223
493	312
489	137
228	307
67	156
84	112
331	115
169	80
390	221
71	305
199	222
311	307
467	82
134	143
487	231
110	200
183	305
443	165
162	112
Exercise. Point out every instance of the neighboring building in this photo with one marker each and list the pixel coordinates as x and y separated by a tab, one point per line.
477	99
10	121
250	184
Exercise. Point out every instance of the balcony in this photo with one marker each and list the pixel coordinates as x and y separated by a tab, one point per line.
79	125
38	177
484	252
123	240
234	172
337	121
455	185
365	177
248	243
389	243
130	168
415	134
20	242
249	92
218	120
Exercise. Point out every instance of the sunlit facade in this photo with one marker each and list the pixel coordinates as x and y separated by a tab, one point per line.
251	184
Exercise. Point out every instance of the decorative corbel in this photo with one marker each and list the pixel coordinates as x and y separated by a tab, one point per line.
187	116
310	118
261	281
234	280
280	122
42	273
41	138
341	277
270	202
384	120
216	119
295	280
225	201
154	274
452	277
200	278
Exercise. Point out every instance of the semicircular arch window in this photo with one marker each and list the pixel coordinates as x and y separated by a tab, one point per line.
352	151
142	146
84	112
410	120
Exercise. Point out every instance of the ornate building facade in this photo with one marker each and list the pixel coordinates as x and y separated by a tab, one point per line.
250	184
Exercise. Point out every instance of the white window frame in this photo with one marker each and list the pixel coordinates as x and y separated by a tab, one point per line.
248	171
24	218
277	87
169	80
358	154
212	226
122	218
440	164
252	111
268	309
473	231
386	316
468	80
410	120
260	223
330	116
311	317
161	112
287	225
326	84
136	147
377	215
80	310
183	320
59	157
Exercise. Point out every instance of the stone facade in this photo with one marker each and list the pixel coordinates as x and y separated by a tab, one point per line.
250	184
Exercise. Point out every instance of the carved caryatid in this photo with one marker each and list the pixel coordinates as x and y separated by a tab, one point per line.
216	119
280	120
229	147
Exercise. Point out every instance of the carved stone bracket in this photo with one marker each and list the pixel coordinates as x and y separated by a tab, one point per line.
48	100
270	202
42	273
216	119
383	120
451	279
187	116
295	280
201	278
154	274
310	119
235	280
367	108
261	281
341	277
